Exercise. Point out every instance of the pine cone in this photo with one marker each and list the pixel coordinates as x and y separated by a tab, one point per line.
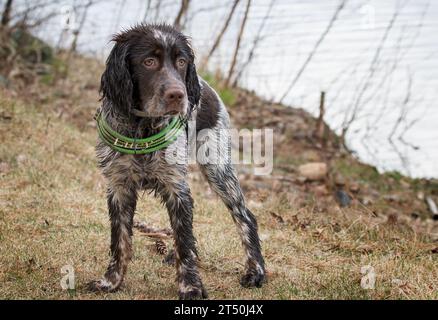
161	247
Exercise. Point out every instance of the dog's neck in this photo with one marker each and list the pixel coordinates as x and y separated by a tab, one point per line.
131	125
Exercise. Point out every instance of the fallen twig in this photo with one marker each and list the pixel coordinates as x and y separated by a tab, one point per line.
156	235
152	231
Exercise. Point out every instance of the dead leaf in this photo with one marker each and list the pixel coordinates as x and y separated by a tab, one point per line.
277	217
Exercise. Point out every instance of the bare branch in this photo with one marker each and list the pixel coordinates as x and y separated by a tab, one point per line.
6	15
255	43
119	15
239	39
148	7
320	125
77	32
403	108
314	50
208	9
182	11
157	10
220	35
372	70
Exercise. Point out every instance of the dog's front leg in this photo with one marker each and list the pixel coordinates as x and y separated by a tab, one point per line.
122	200
179	204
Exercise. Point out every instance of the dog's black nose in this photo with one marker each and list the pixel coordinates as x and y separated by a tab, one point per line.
173	95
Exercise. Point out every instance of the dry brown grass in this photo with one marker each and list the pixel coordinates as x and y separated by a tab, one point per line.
53	213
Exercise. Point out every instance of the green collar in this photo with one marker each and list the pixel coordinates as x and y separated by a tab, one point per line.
127	145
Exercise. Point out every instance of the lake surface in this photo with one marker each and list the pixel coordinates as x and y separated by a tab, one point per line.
379	58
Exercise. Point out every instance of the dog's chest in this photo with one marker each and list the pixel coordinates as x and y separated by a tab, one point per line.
143	170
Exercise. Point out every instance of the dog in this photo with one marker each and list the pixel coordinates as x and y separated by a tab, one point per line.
150	78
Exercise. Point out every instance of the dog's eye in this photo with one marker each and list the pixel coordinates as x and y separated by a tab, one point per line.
150	62
181	62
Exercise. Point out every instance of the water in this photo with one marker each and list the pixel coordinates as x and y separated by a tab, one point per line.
379	57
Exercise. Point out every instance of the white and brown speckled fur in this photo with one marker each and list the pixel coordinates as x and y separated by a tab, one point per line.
126	175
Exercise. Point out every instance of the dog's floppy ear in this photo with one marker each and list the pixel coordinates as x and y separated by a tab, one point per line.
116	83
193	87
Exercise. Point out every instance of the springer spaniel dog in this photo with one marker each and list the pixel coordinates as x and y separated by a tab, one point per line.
150	78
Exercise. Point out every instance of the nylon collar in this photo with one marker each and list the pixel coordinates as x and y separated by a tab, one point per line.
128	145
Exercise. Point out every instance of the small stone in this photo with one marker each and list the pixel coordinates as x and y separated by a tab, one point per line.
91	124
339	180
264	236
374	193
342	198
313	171
355	187
397	282
254	204
392	198
366	201
21	159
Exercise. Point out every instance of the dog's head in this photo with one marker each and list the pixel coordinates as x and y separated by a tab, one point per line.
151	68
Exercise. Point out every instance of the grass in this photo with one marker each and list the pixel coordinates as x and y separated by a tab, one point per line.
363	173
227	95
53	213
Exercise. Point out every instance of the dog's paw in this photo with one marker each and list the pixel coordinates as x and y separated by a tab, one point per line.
252	279
193	294
102	285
